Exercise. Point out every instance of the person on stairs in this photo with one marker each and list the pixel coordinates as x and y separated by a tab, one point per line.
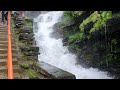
4	17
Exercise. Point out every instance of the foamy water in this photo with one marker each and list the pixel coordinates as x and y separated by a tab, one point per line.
53	52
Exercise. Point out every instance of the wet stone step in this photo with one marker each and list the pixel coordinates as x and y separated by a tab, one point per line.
6	42
4	56
4	46
4	51
3	69
53	72
5	76
3	62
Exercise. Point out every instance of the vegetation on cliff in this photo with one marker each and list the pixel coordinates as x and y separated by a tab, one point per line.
94	37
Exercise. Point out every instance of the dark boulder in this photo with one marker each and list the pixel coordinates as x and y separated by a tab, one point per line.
57	33
52	71
113	21
25	36
113	25
30	49
26	29
65	41
31	53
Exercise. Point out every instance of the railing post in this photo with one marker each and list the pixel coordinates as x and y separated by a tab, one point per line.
10	67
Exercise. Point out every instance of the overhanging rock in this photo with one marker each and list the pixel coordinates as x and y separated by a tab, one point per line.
53	72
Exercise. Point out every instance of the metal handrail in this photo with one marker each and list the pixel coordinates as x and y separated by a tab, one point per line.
9	63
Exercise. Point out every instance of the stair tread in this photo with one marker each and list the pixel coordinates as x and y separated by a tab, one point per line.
5	49
4	76
4	42
5	67
6	45
6	54
4	60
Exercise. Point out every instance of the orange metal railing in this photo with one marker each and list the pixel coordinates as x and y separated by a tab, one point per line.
10	67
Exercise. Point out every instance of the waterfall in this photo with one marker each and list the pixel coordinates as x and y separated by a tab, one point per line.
53	52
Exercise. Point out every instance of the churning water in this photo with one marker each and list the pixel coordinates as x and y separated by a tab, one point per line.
53	52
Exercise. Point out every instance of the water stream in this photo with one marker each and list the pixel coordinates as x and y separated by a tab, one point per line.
53	52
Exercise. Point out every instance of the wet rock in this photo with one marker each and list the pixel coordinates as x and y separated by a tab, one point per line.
31	53
57	33
65	41
16	14
24	36
26	29
70	23
112	21
113	25
35	27
35	58
18	22
28	20
30	49
19	19
18	25
52	71
114	12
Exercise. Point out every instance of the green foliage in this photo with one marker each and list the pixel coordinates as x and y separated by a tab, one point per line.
99	20
114	41
76	37
69	17
29	23
73	14
25	65
74	48
103	46
31	74
93	17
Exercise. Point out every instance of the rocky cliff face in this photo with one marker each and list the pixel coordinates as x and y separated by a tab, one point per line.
28	52
94	37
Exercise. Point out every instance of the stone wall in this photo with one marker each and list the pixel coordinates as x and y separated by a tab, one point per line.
31	68
28	53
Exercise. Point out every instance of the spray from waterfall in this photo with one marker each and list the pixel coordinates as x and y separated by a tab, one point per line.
53	52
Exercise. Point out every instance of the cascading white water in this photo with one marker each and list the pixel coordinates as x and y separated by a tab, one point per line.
53	52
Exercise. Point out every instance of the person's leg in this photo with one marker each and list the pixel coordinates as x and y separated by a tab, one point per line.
2	17
6	18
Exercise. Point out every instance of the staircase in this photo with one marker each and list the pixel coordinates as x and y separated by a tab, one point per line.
4	52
